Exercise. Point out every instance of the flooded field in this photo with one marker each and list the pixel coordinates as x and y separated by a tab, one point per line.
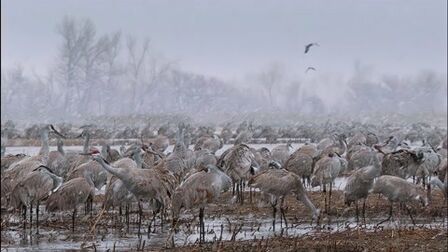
228	225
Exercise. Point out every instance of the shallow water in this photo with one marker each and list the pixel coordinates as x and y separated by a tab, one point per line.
246	227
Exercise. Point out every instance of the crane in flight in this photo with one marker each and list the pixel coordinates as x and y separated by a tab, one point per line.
310	68
308	46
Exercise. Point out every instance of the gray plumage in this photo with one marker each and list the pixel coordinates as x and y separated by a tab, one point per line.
279	183
396	189
199	190
280	153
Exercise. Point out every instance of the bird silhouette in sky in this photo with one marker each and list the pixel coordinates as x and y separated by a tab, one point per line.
310	68
307	47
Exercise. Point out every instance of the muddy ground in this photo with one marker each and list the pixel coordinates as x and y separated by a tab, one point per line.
248	226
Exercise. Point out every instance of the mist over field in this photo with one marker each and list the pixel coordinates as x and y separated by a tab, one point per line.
213	62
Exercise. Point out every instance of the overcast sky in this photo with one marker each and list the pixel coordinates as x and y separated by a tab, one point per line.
228	39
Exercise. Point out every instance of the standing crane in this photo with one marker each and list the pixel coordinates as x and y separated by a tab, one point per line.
198	190
396	189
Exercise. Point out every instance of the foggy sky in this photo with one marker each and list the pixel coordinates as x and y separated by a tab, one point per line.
229	39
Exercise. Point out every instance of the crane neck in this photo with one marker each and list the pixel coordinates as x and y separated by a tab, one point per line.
86	142
110	169
138	159
57	181
45	148
104	150
304	198
88	177
60	147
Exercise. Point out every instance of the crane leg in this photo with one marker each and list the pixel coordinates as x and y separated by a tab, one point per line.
201	225
91	206
428	193
364	210
24	216
127	215
329	197
139	217
162	213
284	217
390	214
410	215
357	212
242	191
237	191
282	212
31	216
274	211
73	220
250	195
37	218
325	197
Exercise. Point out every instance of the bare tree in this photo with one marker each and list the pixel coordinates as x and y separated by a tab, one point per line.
70	55
113	70
270	77
136	61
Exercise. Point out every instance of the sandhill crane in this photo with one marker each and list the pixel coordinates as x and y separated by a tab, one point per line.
308	46
182	158
310	68
226	134
262	156
244	137
34	188
71	194
309	149
400	163
359	184
97	173
10	159
111	155
326	142
239	163
280	153
396	189
325	172
19	169
301	164
279	183
116	192
442	185
357	139
371	139
160	143
145	184
212	144
203	158
44	134
198	190
56	159
362	158
73	159
340	148
442	174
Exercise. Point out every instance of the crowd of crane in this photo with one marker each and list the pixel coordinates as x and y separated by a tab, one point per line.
143	173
